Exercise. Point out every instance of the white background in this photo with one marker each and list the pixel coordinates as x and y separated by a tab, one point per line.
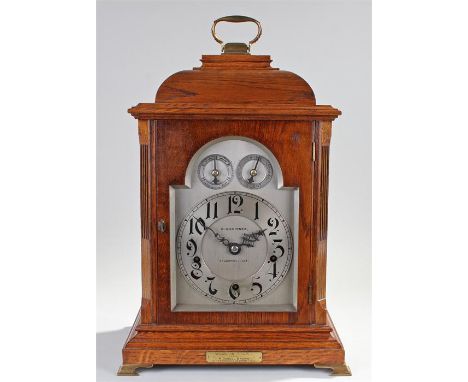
47	199
141	44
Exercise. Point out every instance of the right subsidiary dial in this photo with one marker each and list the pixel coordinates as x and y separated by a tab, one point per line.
254	171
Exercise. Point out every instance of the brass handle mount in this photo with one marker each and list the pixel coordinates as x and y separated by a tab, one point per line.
236	47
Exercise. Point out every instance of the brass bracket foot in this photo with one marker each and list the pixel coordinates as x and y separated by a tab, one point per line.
336	369
130	369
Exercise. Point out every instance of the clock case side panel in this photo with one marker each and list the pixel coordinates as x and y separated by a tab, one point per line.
147	215
319	270
176	142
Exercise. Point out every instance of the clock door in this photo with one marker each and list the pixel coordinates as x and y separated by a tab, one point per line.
236	247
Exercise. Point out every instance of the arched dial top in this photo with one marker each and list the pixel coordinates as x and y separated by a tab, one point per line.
234	247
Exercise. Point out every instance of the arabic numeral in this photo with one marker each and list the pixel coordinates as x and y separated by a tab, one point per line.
235	201
196	265
210	288
197	225
258	285
273	271
234	291
278	247
256	211
214	210
191	247
196	274
274	224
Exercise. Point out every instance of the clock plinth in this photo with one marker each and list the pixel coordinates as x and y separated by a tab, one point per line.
234	193
315	345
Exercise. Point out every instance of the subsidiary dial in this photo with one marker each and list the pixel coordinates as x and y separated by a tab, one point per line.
215	171
254	171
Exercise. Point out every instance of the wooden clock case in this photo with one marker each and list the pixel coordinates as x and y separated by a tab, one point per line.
234	95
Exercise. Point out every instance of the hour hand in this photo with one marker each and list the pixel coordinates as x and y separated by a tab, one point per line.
218	237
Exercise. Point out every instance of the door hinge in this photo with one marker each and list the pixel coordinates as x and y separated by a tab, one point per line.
310	294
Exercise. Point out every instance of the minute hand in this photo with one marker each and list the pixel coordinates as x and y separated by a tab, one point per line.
249	239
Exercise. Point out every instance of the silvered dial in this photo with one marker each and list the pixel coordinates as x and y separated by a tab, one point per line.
254	171
215	171
234	247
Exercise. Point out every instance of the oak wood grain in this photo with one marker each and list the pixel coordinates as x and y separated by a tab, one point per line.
260	111
177	143
278	347
234	95
235	87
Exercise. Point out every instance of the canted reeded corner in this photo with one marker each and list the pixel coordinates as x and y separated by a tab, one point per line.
337	370
131	369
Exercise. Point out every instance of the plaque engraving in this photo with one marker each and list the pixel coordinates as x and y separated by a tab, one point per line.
234	356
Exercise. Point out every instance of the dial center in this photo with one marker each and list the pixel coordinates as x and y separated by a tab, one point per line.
215	172
253	172
232	260
234	249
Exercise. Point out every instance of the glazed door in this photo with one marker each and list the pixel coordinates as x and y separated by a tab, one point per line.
175	142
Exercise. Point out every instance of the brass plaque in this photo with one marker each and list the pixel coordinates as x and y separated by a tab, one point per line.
234	356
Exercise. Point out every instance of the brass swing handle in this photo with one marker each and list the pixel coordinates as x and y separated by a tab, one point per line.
240	48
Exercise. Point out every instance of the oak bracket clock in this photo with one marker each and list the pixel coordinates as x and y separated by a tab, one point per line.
234	183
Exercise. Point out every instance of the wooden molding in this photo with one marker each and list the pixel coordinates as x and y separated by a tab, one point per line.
233	328
146	278
257	111
323	193
236	62
242	87
321	311
145	213
188	344
145	191
143	131
326	131
322	223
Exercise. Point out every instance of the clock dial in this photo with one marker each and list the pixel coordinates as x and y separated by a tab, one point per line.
234	247
215	171
254	171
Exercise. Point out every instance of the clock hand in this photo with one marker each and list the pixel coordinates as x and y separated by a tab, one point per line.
215	172
253	172
217	235
249	239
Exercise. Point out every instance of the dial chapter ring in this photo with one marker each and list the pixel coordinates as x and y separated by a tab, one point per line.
202	271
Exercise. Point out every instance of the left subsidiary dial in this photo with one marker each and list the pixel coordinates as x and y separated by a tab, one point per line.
215	171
